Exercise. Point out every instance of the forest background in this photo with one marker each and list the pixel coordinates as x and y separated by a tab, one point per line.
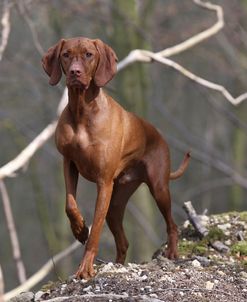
190	116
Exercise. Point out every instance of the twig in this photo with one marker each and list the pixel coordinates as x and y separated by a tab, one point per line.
5	27
1	285
13	234
42	272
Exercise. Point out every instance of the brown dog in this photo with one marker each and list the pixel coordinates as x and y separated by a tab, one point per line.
107	145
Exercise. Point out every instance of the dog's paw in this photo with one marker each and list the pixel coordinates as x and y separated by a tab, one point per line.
83	235
171	254
86	270
80	232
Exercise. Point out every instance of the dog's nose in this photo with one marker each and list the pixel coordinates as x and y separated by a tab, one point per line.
75	72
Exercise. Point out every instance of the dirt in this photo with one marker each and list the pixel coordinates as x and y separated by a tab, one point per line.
201	274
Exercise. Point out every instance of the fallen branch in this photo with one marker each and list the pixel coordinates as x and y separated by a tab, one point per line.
196	221
42	272
219	246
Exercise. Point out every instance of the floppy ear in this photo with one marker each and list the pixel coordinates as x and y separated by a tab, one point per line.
51	62
107	65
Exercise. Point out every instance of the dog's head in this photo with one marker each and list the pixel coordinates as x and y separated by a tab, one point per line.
82	60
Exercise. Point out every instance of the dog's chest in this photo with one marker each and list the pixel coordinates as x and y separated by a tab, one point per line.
71	143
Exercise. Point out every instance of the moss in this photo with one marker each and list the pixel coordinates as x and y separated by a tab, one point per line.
49	285
240	247
243	216
215	234
200	249
223	217
187	248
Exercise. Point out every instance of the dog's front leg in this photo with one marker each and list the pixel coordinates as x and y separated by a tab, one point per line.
86	270
78	226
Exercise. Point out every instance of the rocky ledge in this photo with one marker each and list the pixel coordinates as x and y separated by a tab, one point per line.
203	273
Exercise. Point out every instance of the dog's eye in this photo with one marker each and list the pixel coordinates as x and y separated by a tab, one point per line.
89	54
65	54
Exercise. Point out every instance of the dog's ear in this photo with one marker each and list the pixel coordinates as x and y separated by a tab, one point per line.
51	62
107	65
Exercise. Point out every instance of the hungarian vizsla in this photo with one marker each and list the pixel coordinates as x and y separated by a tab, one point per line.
107	145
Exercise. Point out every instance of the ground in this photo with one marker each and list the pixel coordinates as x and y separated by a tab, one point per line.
201	274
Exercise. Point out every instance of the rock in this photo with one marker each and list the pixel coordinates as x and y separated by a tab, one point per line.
240	236
23	297
186	224
196	263
87	289
224	227
38	295
209	285
228	242
243	275
204	261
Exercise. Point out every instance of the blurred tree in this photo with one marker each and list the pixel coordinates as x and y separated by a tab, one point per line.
130	23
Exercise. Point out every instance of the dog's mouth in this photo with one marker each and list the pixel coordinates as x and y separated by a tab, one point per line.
77	82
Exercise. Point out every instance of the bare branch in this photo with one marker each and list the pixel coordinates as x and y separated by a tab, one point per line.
139	55
189	43
41	273
199	80
1	285
147	56
22	9
5	22
22	159
13	234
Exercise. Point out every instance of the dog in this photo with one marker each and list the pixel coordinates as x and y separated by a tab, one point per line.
107	145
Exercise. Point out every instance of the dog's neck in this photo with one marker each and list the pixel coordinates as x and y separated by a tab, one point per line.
83	101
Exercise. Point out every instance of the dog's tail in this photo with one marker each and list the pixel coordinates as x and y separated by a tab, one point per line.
180	171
